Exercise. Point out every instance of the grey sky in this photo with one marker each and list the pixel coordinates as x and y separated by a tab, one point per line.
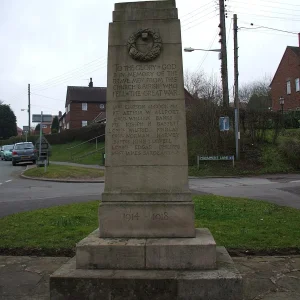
52	44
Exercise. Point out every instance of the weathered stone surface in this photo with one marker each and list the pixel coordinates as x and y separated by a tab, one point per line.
144	14
197	253
145	179
146	197
145	5
225	283
170	34
142	220
97	253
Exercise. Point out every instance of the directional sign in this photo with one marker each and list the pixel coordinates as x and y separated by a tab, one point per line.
37	118
224	123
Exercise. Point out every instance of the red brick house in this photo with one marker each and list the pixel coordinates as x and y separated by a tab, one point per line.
286	80
83	105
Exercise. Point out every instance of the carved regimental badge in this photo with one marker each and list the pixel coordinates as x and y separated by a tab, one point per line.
144	45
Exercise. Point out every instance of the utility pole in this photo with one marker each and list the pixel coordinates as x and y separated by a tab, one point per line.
236	89
224	70
29	108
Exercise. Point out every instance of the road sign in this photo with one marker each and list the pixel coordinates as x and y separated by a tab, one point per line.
219	157
224	123
25	128
37	118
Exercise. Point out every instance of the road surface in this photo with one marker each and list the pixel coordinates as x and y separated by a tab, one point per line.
17	194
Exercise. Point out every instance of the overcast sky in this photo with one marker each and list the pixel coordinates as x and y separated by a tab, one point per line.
53	44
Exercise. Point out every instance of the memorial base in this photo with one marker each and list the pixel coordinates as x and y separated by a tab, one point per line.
146	220
69	283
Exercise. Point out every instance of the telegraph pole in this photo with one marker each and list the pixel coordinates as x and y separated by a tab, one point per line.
29	108
224	70
236	88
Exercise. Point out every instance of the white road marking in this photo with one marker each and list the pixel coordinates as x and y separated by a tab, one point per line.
1	183
8	180
295	181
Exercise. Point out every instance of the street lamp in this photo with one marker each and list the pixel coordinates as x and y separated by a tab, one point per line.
190	49
281	102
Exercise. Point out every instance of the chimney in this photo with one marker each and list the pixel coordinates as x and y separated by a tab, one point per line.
91	82
59	114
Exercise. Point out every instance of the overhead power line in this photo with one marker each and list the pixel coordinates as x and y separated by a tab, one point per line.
269	28
98	60
267	6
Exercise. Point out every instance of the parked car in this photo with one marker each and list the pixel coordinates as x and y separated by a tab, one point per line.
6	152
23	152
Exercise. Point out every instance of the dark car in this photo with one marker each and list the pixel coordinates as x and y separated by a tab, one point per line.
23	152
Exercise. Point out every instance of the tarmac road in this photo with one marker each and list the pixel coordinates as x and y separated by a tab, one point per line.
17	194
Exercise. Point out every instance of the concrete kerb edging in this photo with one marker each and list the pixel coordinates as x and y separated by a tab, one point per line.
60	180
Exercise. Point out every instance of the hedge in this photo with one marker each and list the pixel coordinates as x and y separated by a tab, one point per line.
66	136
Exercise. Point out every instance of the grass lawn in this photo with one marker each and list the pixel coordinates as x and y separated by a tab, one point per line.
236	223
64	172
62	153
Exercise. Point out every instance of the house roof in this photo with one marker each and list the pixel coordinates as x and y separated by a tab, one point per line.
85	94
295	50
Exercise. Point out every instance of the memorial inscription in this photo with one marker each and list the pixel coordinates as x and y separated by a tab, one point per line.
145	129
145	80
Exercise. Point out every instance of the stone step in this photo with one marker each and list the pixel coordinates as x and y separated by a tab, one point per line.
197	253
225	283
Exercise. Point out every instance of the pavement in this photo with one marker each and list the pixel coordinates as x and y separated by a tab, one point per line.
265	278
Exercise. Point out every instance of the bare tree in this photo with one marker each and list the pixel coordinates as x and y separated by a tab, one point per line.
260	87
203	87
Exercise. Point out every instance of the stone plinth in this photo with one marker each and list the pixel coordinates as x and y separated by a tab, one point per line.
197	253
146	219
225	283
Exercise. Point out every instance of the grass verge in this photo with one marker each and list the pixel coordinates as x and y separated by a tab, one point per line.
241	225
82	154
64	172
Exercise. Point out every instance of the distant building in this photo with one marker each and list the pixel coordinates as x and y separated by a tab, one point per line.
286	80
19	131
83	105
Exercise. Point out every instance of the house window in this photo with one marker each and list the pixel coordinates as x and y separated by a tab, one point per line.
44	126
102	106
288	87
68	107
84	106
84	123
68	125
297	83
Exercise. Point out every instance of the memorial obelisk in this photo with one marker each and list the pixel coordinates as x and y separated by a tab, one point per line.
146	247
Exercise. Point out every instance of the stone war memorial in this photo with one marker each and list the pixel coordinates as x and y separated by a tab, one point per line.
146	247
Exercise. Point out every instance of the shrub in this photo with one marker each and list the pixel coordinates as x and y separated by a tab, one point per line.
290	148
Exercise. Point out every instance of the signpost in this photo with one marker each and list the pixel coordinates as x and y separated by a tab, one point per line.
26	131
210	158
44	146
224	123
41	118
